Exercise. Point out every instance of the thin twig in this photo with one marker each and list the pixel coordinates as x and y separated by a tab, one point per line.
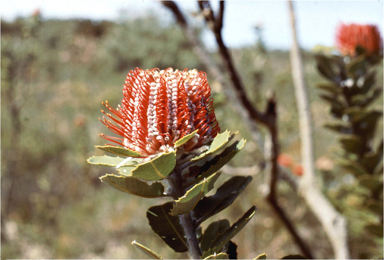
268	118
256	116
214	71
334	224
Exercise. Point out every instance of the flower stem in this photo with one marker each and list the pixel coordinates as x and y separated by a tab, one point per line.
190	232
186	220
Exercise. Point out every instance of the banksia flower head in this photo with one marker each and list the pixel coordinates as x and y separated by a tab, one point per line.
160	107
350	36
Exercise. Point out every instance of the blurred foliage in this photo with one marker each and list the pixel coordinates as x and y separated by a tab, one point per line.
351	91
56	73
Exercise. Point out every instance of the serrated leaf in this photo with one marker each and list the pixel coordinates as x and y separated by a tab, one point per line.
109	160
190	199
262	256
126	170
156	169
167	227
219	161
222	239
134	186
146	250
212	232
223	197
218	256
119	151
218	142
185	138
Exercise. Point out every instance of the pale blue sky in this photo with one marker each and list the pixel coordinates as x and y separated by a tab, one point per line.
317	20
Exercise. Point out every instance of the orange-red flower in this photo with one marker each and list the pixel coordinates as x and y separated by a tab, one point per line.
350	36
159	108
297	170
285	160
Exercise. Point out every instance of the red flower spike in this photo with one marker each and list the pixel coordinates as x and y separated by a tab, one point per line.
161	107
350	36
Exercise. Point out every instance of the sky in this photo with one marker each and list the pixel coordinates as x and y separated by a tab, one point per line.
317	21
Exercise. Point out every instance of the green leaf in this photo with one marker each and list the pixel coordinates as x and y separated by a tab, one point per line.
262	256
353	167
218	256
185	138
134	186
109	160
167	227
156	169
119	151
357	64
372	182
223	197
212	232
126	170
218	142
324	65
219	161
187	202
223	239
146	251
331	88
375	229
339	127
372	160
369	81
375	206
351	143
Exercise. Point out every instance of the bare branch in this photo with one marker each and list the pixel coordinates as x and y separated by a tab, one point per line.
334	224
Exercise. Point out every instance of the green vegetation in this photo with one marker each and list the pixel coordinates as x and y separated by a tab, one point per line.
55	74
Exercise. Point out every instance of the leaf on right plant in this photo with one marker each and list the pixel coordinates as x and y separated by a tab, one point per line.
167	227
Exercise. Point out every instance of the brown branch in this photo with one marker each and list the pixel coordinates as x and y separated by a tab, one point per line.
214	71
272	153
229	65
267	118
334	224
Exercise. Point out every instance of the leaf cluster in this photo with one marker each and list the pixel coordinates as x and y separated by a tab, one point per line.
350	92
186	177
